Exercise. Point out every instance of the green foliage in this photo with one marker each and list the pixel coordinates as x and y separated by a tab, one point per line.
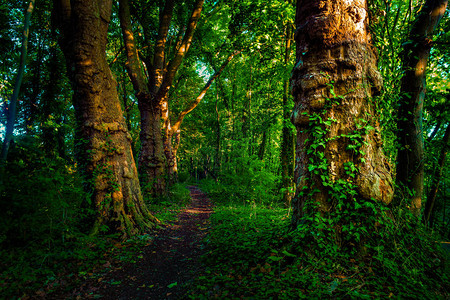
166	209
42	245
40	199
251	255
249	185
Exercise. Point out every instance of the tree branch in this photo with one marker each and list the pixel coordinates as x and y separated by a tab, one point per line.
157	73
133	64
199	98
182	50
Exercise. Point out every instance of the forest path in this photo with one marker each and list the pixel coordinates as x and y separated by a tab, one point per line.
170	262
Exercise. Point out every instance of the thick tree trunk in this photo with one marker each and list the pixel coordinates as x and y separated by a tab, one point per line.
151	156
410	159
104	153
339	156
153	92
436	178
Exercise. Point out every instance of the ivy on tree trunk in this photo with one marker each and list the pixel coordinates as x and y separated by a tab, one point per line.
339	157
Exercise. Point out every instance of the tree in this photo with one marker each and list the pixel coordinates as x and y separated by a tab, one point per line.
339	157
410	159
287	146
152	92
13	101
436	178
104	151
174	131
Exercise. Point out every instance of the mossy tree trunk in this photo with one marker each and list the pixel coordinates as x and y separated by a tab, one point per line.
339	158
104	150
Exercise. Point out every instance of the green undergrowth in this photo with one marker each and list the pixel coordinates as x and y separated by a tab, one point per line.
166	209
42	251
252	254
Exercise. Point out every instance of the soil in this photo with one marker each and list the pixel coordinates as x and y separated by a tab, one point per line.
168	264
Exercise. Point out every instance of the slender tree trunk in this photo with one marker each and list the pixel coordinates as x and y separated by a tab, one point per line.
12	109
287	143
262	146
410	159
436	177
175	130
104	153
339	154
52	107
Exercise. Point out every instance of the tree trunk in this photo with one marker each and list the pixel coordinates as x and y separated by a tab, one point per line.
11	117
175	130
153	92
262	146
410	159
52	108
339	157
436	178
218	160
151	156
287	143
104	153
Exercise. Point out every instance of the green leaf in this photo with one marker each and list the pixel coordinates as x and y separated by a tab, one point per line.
275	258
172	285
288	254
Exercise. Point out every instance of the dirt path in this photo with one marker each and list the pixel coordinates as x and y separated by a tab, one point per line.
167	265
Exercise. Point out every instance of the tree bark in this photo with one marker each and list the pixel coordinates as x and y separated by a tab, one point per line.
104	153
12	109
152	92
338	145
410	158
287	143
436	177
151	156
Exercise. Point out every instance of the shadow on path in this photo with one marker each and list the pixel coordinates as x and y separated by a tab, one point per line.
168	264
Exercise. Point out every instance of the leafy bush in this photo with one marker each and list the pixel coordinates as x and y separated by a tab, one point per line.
250	183
40	199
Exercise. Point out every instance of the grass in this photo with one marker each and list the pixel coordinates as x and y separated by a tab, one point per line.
250	254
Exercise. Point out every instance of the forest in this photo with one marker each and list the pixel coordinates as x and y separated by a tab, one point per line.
224	149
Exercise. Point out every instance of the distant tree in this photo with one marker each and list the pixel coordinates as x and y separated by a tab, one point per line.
410	159
339	156
172	133
12	108
436	178
104	151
